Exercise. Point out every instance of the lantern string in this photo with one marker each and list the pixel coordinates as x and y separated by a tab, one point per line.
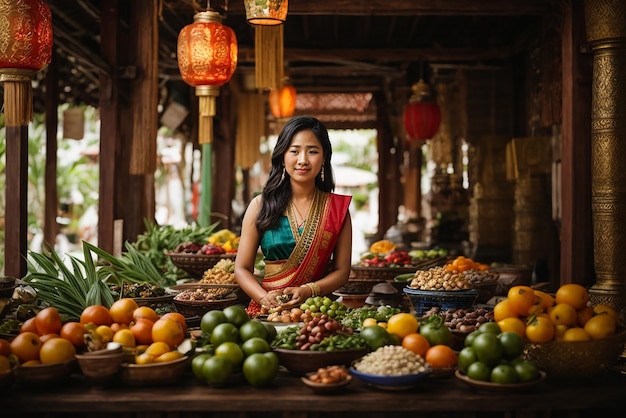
268	51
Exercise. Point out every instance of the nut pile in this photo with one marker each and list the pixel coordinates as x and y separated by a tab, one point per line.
462	320
223	272
438	278
330	374
204	295
391	360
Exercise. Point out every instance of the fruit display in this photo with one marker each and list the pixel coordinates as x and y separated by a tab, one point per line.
461	274
223	272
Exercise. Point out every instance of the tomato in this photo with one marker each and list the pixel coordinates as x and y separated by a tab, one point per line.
600	326
375	336
503	373
255	345
491	327
573	294
436	331
232	351
216	370
48	321
512	344
260	369
252	328
210	320
479	371
526	371
224	332
488	348
469	338
441	356
521	298
416	343
57	350
539	329
467	356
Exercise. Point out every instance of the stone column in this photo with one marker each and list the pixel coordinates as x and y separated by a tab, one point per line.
606	32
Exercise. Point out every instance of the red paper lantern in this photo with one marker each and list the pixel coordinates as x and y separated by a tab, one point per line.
422	115
207	58
26	34
283	101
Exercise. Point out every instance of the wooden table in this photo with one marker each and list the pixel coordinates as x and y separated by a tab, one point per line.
288	397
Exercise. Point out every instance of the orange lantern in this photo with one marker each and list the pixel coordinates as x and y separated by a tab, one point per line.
207	58
25	48
266	12
422	115
283	101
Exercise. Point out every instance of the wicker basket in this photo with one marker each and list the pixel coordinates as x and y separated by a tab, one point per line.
381	274
423	300
196	264
191	308
576	359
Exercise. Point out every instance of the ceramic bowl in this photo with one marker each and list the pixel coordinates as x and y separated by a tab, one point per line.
100	368
398	382
499	387
326	388
305	361
44	374
153	374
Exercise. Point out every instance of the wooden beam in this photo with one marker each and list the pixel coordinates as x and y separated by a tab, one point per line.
409	7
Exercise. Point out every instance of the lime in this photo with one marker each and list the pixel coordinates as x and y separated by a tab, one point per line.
216	370
271	331
224	332
503	373
236	315
255	345
375	337
210	320
512	344
526	371
469	338
491	327
488	348
252	328
479	371
232	351
466	357
197	363
260	369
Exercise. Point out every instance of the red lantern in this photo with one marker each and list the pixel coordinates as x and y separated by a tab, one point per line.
283	101
422	115
207	58
26	35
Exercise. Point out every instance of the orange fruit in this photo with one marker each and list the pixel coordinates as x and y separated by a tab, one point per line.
563	314
168	331
125	337
416	343
158	348
521	298
545	300
5	364
56	350
584	315
122	310
5	347
441	356
142	330
605	309
116	327
96	314
74	332
105	332
178	317
48	321
600	326
573	294
145	312
26	346
402	324
539	329
502	310
515	325
575	334
30	325
144	358
169	356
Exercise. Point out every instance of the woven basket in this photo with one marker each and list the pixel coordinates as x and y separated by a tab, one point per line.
379	274
196	264
191	308
423	300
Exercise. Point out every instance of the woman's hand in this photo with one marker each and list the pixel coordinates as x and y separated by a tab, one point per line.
272	299
296	295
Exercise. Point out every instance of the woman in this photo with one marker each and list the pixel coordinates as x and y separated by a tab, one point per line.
304	230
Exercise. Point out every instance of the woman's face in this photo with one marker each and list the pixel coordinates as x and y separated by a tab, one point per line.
304	157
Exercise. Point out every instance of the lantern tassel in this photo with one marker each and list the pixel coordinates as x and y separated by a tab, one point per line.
18	98
206	103
268	56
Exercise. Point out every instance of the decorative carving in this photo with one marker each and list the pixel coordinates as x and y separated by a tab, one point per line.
605	19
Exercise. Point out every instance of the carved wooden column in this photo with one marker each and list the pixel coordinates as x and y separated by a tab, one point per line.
606	33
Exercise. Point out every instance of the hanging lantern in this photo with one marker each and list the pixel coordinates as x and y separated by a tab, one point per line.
283	101
207	58
422	115
266	12
25	48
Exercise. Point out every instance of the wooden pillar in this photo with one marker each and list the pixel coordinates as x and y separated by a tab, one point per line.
51	205
413	179
606	33
576	258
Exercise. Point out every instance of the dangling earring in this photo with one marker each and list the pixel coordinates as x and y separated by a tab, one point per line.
282	176
322	174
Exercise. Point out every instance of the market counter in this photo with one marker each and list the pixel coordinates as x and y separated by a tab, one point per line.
288	397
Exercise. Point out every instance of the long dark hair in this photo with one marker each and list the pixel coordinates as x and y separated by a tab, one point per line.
277	191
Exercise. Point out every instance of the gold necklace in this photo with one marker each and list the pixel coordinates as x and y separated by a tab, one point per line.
300	214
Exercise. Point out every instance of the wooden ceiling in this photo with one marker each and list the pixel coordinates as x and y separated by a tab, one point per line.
330	46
